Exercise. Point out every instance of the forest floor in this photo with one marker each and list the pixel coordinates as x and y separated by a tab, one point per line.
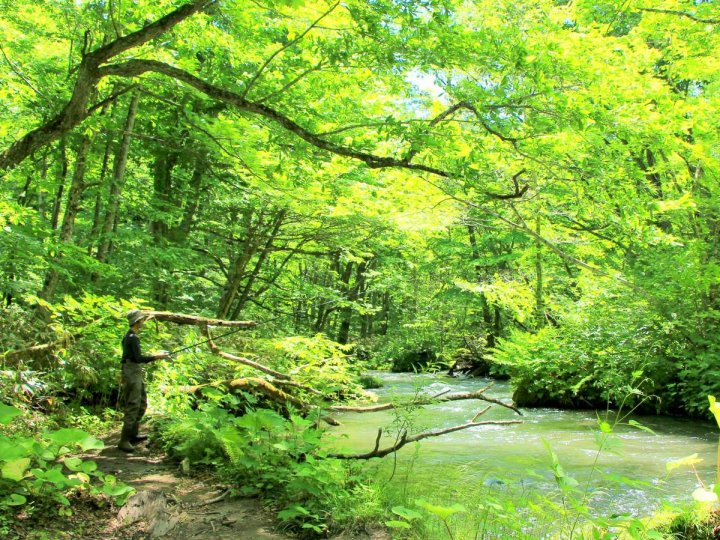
173	505
167	504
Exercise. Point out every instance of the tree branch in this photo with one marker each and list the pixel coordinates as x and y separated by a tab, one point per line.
181	318
74	111
426	401
681	14
404	439
285	47
134	68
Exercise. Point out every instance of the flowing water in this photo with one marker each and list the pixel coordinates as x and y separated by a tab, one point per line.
633	477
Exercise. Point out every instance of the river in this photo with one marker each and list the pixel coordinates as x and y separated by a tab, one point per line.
631	478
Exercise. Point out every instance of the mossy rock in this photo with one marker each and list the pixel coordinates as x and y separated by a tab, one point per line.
369	382
413	361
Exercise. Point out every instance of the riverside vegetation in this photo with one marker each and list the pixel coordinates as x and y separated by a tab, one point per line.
525	190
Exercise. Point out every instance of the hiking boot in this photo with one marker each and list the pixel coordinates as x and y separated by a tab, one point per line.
125	446
138	438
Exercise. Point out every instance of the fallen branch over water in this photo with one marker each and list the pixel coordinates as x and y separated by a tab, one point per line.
425	401
405	439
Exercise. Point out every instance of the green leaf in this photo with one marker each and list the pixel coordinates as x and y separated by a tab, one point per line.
14	499
7	413
15	469
73	463
397	524
687	461
117	490
292	512
88	467
443	512
71	436
406	513
638	425
10	449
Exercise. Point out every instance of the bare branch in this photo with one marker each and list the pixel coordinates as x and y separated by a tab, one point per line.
240	360
181	318
404	439
478	394
20	74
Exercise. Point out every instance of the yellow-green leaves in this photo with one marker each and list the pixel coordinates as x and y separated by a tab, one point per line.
687	461
715	408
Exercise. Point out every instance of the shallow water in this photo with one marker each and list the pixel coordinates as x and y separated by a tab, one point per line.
516	454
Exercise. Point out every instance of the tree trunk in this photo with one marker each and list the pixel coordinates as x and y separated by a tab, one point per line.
539	304
237	268
76	109
489	323
351	295
95	229
118	180
55	219
162	190
277	224
180	233
72	208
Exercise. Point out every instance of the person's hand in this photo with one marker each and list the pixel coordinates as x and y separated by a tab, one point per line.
162	355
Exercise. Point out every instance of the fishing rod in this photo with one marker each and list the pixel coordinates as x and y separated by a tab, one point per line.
206	341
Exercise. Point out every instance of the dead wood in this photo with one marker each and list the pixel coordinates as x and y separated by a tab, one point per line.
14	357
181	318
256	385
239	359
426	401
281	379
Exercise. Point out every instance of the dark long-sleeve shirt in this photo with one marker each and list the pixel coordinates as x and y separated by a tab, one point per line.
131	349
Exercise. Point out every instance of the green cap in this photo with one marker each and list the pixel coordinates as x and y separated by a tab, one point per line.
135	316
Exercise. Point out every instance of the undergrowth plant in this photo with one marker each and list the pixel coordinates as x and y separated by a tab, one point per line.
263	454
40	472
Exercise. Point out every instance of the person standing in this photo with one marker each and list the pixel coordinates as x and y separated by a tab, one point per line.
133	396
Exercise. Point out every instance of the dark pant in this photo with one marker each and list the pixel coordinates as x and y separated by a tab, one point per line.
133	399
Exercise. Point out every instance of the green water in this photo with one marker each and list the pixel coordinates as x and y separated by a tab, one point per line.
464	462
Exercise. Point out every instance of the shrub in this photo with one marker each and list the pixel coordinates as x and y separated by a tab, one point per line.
40	470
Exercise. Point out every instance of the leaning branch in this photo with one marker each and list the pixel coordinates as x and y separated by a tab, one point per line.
135	68
425	401
76	109
240	360
404	439
181	318
256	385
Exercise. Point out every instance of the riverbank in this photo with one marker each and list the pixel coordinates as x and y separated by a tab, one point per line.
553	460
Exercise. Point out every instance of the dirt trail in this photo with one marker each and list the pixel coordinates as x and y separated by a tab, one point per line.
169	504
